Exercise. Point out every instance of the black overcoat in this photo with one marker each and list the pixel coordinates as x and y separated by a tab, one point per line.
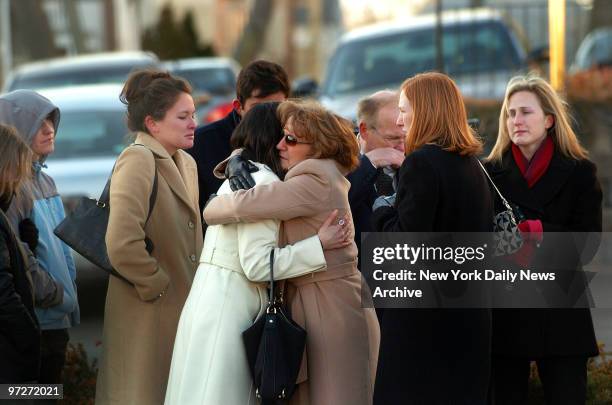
361	197
567	198
436	356
19	330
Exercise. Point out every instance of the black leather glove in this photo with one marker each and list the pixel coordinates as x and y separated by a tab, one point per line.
28	232
238	172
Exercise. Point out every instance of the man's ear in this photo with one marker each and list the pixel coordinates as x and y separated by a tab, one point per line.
363	131
150	124
237	106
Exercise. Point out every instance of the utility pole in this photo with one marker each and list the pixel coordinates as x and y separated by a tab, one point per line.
556	34
6	50
315	26
289	33
74	24
439	33
109	25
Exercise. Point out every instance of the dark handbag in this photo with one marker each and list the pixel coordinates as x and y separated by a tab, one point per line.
274	347
507	238
84	229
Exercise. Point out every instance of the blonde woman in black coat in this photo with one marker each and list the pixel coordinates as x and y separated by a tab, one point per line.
19	330
539	165
435	356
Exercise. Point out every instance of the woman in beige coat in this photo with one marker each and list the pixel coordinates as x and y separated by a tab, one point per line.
318	149
141	318
229	291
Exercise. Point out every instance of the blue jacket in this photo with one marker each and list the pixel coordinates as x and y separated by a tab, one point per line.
40	201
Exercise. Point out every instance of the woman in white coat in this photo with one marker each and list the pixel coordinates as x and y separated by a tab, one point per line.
209	364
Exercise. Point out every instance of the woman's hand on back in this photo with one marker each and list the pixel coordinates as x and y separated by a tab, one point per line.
334	233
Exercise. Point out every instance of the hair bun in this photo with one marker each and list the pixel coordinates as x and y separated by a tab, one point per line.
136	87
150	92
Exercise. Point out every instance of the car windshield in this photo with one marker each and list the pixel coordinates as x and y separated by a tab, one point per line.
39	80
596	51
83	134
210	80
468	49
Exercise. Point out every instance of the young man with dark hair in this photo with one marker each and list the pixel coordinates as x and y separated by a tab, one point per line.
259	82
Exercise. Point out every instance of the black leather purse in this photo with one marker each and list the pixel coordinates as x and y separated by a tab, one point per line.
274	348
84	229
507	238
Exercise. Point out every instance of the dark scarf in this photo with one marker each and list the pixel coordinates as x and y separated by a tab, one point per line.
533	170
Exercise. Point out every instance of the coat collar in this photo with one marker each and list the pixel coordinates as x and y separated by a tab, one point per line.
513	185
174	169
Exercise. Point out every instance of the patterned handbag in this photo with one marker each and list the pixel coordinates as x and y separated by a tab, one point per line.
506	234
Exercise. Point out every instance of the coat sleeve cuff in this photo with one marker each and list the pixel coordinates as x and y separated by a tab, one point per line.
153	286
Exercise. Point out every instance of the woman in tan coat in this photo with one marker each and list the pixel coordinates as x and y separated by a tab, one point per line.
318	149
141	315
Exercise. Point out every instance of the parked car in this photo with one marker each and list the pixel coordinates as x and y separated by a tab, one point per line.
479	50
595	50
213	81
112	67
91	134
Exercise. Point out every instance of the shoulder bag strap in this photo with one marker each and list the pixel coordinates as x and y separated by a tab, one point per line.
105	196
153	196
271	296
504	201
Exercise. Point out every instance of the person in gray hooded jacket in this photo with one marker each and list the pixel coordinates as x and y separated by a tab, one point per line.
35	213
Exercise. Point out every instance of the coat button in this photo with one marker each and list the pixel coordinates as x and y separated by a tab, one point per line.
191	225
192	258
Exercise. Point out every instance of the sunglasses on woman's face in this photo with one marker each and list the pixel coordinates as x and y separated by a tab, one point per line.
291	140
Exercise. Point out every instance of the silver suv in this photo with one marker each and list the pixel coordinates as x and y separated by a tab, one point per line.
480	52
109	67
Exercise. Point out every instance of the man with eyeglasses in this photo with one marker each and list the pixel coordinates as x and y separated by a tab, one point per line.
382	153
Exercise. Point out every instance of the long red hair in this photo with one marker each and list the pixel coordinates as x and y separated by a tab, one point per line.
439	116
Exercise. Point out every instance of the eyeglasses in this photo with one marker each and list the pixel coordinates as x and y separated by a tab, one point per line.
291	140
390	139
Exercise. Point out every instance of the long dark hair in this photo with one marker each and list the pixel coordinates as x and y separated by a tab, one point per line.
258	134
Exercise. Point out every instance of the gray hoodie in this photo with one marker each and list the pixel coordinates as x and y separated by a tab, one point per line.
26	110
40	201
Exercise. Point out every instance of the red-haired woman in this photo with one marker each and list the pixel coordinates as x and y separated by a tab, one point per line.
435	356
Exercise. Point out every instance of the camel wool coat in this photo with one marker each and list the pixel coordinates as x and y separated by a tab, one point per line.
139	324
339	365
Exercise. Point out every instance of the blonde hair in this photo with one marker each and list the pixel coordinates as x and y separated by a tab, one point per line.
440	116
331	136
16	164
552	104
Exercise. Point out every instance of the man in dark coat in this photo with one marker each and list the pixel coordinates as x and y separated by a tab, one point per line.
259	82
382	145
